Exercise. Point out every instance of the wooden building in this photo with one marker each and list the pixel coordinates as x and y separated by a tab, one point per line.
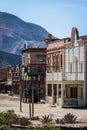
33	71
16	79
5	79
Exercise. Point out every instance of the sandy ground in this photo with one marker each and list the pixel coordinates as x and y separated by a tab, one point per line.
8	102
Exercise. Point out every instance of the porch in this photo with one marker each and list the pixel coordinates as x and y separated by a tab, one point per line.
65	95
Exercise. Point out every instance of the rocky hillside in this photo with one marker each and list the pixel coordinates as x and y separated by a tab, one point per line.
9	59
14	31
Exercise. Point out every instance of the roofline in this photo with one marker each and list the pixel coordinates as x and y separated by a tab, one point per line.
34	50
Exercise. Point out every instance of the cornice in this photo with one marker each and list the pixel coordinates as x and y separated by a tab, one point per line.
34	50
55	49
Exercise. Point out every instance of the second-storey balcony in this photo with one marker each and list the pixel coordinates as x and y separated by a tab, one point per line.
64	76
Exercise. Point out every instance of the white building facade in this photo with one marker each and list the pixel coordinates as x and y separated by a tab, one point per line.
71	83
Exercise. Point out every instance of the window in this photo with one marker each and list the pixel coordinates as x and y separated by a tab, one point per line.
53	60
74	92
59	91
23	60
81	66
61	60
9	75
41	58
49	90
70	67
48	60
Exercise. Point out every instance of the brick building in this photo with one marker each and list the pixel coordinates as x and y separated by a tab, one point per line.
33	68
16	79
55	68
5	79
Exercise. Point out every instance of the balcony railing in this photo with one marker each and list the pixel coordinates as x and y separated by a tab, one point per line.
70	102
64	76
73	102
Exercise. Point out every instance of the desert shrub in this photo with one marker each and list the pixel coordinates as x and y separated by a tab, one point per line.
46	119
4	127
24	121
59	121
1	118
8	117
69	118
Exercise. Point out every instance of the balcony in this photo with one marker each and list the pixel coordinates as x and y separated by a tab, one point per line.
62	76
74	76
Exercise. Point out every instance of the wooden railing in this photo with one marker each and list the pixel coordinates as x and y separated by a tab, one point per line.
64	76
70	102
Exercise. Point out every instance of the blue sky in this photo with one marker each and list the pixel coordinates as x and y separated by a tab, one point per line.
56	16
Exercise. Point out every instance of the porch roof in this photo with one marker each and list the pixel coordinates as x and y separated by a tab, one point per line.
65	82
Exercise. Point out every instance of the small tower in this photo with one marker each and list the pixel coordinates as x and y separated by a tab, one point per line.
74	35
48	40
25	45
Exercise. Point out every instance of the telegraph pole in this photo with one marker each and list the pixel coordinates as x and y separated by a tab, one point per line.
21	97
29	108
33	96
29	100
32	101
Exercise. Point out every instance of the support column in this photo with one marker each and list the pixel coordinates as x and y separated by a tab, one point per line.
62	93
57	97
46	89
52	95
46	92
79	69
79	92
73	61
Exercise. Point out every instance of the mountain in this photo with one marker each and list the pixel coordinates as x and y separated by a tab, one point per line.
14	31
9	59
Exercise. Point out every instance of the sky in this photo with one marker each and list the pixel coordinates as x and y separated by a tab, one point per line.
56	16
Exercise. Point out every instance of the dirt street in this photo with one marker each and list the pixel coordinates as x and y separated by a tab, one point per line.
8	102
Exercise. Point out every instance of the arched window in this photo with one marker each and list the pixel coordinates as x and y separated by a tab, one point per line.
61	57
76	63
23	60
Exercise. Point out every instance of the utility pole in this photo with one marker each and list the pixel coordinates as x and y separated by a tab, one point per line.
20	97
29	107
32	100
39	87
29	100
33	96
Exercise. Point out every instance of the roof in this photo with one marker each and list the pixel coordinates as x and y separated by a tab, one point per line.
83	37
34	50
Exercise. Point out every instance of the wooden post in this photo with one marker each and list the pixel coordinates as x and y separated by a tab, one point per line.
20	97
32	99
29	108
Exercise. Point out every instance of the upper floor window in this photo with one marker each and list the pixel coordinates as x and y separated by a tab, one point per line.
23	60
70	66
81	66
41	58
9	75
61	57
